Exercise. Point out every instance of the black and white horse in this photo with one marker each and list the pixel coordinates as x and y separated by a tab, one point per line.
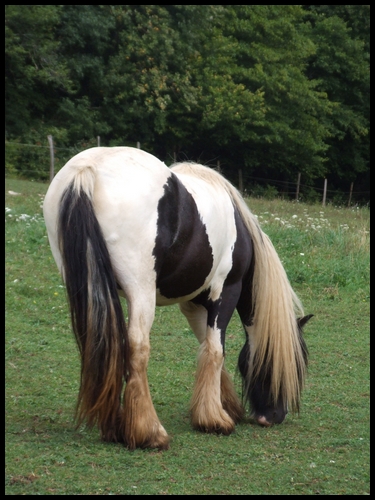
120	222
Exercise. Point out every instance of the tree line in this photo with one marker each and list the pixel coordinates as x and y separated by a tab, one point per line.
276	91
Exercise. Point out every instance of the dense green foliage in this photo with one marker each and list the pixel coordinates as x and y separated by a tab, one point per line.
271	90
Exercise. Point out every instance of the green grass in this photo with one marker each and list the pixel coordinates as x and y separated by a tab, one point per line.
324	450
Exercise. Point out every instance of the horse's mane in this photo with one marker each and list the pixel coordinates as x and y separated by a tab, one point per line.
200	171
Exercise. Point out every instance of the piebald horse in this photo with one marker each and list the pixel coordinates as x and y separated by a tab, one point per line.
120	222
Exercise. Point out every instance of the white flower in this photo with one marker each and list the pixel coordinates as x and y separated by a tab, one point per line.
24	217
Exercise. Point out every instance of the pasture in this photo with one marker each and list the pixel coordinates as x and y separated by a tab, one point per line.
324	450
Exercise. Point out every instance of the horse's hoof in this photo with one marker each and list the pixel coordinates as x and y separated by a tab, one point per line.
215	427
158	444
157	440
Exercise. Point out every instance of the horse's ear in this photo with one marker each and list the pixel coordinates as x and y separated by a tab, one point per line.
302	321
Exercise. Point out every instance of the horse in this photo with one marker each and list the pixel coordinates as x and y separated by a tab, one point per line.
122	223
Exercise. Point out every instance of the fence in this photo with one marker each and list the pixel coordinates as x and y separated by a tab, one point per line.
292	190
265	187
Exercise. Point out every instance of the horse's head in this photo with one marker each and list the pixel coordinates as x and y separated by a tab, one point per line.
267	412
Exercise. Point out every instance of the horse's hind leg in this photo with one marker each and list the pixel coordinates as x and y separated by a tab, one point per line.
215	406
142	427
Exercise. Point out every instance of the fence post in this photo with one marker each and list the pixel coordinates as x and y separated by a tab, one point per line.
52	158
218	166
98	138
240	181
138	145
324	193
350	194
298	182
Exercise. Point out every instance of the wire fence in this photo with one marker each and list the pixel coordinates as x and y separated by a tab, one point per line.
42	162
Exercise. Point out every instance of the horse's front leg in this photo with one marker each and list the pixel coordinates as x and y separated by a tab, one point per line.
207	412
142	428
215	406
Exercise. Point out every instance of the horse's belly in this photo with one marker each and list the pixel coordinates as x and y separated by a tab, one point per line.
167	301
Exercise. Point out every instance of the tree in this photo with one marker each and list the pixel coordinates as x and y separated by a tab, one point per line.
149	92
87	34
34	68
273	47
341	66
273	90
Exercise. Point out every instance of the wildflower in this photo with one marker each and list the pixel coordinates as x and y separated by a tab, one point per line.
23	217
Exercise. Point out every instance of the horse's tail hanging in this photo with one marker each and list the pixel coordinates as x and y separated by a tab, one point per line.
276	341
96	312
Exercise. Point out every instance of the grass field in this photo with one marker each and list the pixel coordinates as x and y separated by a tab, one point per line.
324	450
